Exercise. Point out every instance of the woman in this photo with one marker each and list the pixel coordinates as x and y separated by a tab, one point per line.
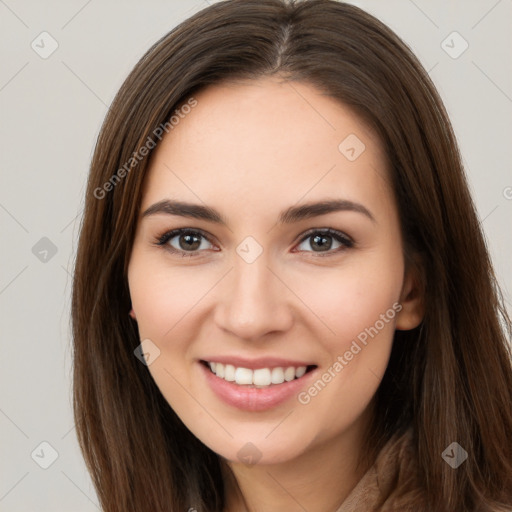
282	295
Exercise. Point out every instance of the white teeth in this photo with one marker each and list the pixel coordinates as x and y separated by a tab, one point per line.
243	376
277	375
261	377
219	370
289	374
229	373
300	371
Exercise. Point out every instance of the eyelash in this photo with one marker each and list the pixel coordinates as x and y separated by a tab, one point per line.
162	240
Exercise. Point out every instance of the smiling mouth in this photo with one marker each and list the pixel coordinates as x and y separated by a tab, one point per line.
257	378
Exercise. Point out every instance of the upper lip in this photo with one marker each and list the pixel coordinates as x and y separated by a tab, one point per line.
257	362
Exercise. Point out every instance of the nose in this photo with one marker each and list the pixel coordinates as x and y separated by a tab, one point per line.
254	302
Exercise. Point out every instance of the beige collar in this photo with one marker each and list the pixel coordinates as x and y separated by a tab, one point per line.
395	466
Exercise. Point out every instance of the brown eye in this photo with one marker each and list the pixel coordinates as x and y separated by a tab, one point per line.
324	241
184	241
189	242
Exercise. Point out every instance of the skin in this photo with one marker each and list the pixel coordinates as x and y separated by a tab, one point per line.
251	150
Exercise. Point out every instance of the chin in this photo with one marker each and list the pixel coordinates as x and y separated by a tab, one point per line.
257	448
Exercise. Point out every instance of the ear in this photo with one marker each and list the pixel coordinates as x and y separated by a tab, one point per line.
411	300
132	314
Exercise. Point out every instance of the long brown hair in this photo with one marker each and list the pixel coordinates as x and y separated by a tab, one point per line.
450	379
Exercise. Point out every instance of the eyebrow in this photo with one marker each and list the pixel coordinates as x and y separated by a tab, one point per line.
288	216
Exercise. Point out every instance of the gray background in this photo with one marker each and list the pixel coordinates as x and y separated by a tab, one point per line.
51	110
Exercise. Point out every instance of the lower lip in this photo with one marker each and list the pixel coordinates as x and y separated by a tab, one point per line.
254	399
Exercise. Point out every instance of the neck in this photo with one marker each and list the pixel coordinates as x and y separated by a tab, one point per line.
318	480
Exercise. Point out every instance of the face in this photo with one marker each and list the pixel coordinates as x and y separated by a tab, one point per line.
271	297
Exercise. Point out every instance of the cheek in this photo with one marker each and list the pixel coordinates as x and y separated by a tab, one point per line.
358	306
352	299
163	297
165	301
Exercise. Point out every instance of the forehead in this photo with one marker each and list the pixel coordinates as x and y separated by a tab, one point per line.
267	139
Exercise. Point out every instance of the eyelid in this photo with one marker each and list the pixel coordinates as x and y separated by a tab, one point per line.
167	235
327	231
